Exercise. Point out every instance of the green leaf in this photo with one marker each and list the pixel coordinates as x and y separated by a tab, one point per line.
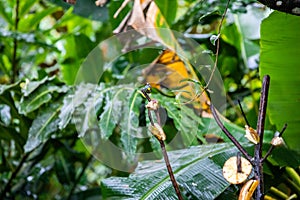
168	9
6	13
198	171
30	86
42	126
95	13
40	96
112	113
5	116
32	20
64	168
25	7
130	123
185	119
85	116
279	58
282	157
72	100
4	88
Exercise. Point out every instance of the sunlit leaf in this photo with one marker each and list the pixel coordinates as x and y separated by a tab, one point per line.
31	21
25	7
279	59
168	9
4	8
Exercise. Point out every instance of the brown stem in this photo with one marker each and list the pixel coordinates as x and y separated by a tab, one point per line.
170	171
272	147
258	167
15	45
228	134
163	149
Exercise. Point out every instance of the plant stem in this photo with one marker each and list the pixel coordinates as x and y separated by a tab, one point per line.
7	187
228	134
15	45
217	46
170	171
163	149
258	167
243	113
272	147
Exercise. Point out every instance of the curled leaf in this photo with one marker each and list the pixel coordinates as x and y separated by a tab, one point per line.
214	38
251	134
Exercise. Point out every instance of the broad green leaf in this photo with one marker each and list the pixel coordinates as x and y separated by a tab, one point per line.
282	157
42	126
279	58
129	124
32	20
40	96
72	100
85	115
198	171
114	102
25	7
4	88
168	9
6	12
29	86
185	119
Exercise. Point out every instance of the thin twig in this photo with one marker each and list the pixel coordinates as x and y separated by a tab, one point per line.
15	47
228	134
79	177
7	187
243	113
217	47
163	148
272	147
258	168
